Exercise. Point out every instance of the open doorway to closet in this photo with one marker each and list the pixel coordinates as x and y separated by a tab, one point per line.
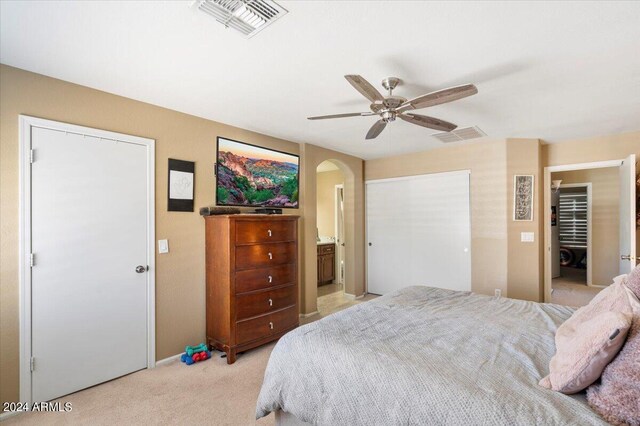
330	235
591	230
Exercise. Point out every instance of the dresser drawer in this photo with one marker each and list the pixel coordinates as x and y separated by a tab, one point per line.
254	304
253	329
326	248
266	325
261	255
284	319
257	279
258	231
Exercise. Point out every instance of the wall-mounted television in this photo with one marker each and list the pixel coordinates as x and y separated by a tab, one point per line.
253	176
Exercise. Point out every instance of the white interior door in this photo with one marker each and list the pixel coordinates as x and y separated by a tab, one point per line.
419	232
340	264
89	231
627	215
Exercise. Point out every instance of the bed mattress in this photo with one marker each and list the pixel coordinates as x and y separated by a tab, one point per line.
421	356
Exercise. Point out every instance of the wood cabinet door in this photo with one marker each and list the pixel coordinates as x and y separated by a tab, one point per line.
326	268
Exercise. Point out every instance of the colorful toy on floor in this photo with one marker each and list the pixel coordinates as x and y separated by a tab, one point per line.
195	357
190	350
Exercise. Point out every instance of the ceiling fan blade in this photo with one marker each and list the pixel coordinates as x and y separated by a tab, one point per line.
440	97
364	87
430	122
376	129
349	114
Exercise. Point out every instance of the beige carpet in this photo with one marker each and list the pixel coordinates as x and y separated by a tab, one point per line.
206	393
570	294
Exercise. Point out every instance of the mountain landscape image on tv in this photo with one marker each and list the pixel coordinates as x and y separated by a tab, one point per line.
252	176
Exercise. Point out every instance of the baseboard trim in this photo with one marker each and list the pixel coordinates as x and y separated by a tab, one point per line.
168	360
4	416
309	314
353	296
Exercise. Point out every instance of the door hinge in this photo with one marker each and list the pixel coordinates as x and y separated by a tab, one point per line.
32	156
33	364
32	260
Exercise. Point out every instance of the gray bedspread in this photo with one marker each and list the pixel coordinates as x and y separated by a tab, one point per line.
423	356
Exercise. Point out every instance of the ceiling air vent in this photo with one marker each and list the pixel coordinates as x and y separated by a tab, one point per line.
247	16
462	134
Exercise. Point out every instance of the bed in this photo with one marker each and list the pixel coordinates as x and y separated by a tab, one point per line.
420	356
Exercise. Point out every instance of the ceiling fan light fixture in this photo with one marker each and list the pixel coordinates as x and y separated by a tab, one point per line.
390	107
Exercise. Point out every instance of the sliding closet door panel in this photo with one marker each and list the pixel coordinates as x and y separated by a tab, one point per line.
419	233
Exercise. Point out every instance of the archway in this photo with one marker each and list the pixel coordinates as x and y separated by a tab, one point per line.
352	169
330	236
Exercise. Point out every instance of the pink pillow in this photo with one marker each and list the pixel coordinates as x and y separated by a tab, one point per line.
617	397
574	367
582	354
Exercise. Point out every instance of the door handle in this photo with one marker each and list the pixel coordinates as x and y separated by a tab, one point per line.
628	257
141	269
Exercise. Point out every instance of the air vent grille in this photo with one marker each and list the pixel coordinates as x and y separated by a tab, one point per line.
247	16
462	134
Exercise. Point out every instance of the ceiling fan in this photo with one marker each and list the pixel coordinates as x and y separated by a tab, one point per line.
391	107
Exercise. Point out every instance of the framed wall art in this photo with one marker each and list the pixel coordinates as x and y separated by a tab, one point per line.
181	188
523	198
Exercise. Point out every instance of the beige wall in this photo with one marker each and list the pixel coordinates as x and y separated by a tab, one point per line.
487	161
180	305
523	277
605	219
326	201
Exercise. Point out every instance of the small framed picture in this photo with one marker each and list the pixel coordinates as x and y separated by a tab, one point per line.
181	185
523	198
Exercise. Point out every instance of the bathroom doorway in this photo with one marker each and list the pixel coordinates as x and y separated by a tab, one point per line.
330	235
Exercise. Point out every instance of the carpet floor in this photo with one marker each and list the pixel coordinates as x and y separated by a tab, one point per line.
209	392
570	294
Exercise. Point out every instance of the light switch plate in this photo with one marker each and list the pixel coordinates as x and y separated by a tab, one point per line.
527	237
163	246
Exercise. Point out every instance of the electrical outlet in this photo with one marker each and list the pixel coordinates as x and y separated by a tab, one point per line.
498	292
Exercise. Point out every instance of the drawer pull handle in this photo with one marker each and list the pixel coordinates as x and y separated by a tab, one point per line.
271	325
269	232
270	302
270	256
270	278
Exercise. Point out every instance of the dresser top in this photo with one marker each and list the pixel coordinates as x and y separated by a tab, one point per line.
254	216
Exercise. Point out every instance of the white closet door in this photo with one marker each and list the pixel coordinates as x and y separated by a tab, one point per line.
419	232
89	232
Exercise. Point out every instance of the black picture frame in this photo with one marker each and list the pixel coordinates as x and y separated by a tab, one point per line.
181	204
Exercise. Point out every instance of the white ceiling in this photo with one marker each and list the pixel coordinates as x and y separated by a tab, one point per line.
546	70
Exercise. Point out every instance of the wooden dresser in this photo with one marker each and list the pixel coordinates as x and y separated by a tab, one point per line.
252	280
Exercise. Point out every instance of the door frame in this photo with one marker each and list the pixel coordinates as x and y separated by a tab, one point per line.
547	211
589	187
25	124
339	243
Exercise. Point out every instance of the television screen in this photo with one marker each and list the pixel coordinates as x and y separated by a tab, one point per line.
251	176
